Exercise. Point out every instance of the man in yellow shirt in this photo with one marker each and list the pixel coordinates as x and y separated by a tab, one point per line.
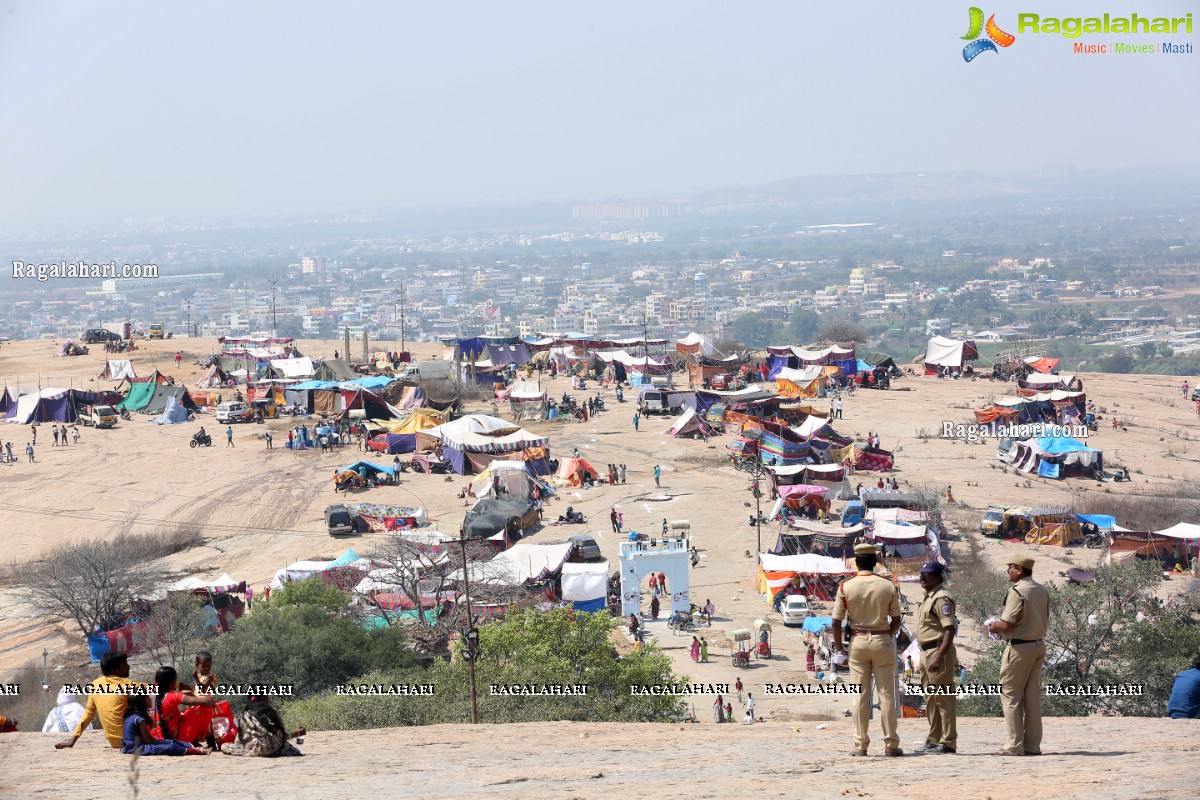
106	701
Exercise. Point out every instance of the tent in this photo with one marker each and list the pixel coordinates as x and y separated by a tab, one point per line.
174	412
819	576
952	353
470	442
528	400
689	423
574	471
292	368
695	344
69	348
502	518
1055	457
157	403
139	395
117	371
213	379
333	369
45	405
6	401
396	443
585	586
804	382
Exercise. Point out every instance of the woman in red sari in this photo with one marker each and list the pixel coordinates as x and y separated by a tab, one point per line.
182	714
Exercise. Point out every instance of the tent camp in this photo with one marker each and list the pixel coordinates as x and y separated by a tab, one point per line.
574	472
948	353
117	371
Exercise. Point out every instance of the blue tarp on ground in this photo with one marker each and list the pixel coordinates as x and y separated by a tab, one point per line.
1102	521
818	624
1057	445
172	414
361	466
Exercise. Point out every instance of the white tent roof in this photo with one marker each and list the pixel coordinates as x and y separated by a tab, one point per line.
118	370
943	352
892	530
1184	530
805	375
810	425
817	355
681	421
809	526
584	581
1035	379
693	339
527	390
521	562
809	563
294	367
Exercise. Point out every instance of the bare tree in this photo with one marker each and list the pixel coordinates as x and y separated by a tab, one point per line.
93	583
427	572
175	627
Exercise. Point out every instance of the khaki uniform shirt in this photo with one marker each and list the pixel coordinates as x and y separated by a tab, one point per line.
1027	607
866	601
936	615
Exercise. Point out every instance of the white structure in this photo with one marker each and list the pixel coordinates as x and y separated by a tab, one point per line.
642	558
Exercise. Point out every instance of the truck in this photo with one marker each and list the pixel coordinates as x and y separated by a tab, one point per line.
428	370
98	416
157	330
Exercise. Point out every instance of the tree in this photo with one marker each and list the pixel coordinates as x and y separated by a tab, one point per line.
803	325
841	332
1119	362
310	646
754	330
174	630
430	576
94	582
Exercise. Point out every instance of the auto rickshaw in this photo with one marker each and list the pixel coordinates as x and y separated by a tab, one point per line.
741	639
762	629
264	407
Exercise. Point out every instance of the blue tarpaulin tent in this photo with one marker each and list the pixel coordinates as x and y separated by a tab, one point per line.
173	413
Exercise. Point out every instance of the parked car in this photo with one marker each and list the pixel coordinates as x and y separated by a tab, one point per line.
339	521
992	522
794	609
94	335
586	545
232	411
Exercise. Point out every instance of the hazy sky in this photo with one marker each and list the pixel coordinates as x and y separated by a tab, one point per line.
165	107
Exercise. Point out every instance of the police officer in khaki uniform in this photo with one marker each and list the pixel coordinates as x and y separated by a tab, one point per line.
1024	622
868	605
939	661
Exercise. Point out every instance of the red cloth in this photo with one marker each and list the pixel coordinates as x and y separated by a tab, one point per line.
188	724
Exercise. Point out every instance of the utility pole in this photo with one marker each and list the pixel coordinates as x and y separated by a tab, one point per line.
471	635
401	296
188	305
274	282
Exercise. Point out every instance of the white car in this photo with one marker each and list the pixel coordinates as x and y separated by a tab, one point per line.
794	609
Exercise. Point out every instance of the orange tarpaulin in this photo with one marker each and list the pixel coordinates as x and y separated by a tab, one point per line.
993	413
1044	365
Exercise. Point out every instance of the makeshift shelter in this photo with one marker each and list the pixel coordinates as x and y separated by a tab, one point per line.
393	443
333	370
386	517
1055	457
501	519
44	405
812	575
69	348
214	378
173	413
949	353
585	586
528	400
1050	526
117	371
6	401
805	382
139	395
574	472
162	393
695	344
471	442
299	369
690	424
523	564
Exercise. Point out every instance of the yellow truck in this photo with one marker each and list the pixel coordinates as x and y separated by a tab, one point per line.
157	330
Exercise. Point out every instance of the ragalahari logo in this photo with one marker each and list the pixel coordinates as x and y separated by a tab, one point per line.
995	36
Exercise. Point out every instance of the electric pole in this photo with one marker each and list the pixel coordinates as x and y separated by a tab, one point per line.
187	304
274	330
470	649
401	297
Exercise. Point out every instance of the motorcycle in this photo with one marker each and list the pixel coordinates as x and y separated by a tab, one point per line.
599	403
1094	540
125	415
199	438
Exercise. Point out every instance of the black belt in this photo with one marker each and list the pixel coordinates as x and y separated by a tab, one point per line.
929	645
1023	641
